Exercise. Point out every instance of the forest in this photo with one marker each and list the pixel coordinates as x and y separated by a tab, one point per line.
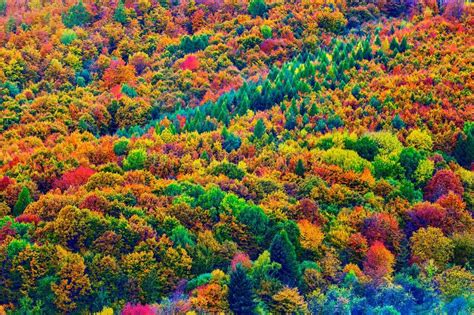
236	157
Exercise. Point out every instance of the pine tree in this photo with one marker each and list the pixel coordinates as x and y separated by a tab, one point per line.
77	15
394	45
24	199
3	7
283	252
403	44
300	170
10	27
259	129
241	294
257	8
120	14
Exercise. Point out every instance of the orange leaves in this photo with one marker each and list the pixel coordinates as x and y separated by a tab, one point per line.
118	73
379	263
311	235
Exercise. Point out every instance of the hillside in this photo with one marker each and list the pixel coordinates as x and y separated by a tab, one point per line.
246	157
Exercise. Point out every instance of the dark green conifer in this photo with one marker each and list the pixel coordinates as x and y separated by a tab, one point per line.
241	294
283	252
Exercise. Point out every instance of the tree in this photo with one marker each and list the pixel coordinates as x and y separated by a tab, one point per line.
73	284
241	295
455	282
464	151
300	170
3	7
311	235
431	244
283	252
24	199
409	160
441	184
257	8
259	129
77	15
288	301
379	263
120	14
135	160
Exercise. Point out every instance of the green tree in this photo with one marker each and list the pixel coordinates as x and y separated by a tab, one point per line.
121	146
10	27
77	15
120	14
135	160
257	8
24	199
283	252
464	151
300	170
3	7
241	294
259	129
409	160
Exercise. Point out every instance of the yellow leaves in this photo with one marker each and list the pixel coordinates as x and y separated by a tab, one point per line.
424	171
167	136
137	264
431	244
106	311
73	281
420	140
311	235
455	282
289	301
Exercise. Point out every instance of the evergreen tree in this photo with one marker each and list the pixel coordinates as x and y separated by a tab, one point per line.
77	15
398	122
10	27
300	170
24	199
464	151
259	129
3	7
120	14
394	45
241	294
283	252
257	8
403	44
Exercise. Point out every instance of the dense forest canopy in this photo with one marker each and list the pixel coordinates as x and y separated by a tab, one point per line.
236	157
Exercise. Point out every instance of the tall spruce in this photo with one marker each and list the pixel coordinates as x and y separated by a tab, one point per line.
283	252
77	15
241	293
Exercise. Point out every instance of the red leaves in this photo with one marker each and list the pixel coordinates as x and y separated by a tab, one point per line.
190	63
443	182
138	309
241	258
28	218
75	178
383	227
4	182
427	214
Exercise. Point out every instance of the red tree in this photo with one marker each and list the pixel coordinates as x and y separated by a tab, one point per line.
75	178
190	63
383	227
427	214
443	182
379	263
